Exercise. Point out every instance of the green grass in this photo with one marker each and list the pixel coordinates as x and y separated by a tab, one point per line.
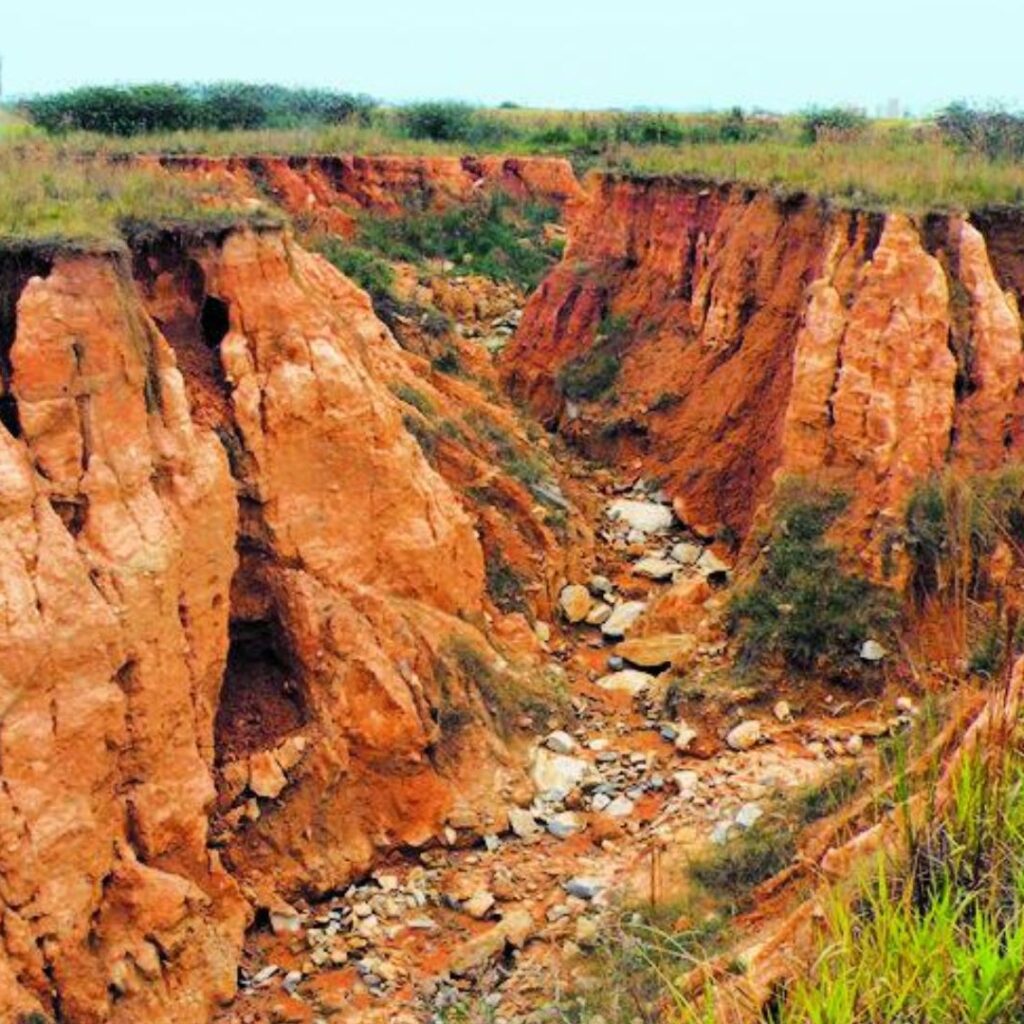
943	940
887	164
495	237
803	608
46	193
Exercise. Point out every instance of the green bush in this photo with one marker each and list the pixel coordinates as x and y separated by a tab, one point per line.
495	237
736	868
139	109
591	375
835	123
366	269
439	120
803	606
994	133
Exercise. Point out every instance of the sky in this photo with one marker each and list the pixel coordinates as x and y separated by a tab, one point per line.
663	54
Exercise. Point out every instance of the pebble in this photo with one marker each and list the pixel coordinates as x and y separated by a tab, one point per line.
583	887
747	816
560	742
745	735
782	711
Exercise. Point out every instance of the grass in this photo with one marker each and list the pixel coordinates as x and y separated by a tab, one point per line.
46	193
803	607
507	692
942	940
592	374
495	237
889	164
732	870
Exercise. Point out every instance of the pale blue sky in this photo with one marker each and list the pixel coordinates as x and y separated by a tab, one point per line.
780	55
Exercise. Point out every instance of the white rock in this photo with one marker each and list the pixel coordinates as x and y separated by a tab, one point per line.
782	711
905	705
564	824
622	619
645	516
629	680
584	888
557	773
522	822
656	568
600	586
854	745
685	735
542	631
709	564
686	552
872	650
686	782
560	742
620	807
720	833
599	614
745	735
748	815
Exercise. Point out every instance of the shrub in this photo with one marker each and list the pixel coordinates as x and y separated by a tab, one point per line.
825	799
495	237
138	109
447	362
803	606
591	375
994	133
367	270
504	584
414	397
736	868
439	120
835	123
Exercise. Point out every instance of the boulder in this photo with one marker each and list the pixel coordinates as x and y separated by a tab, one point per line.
575	602
657	651
643	516
659	569
745	735
629	681
559	773
622	619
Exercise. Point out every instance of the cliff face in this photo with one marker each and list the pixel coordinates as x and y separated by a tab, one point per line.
329	192
760	336
116	558
228	580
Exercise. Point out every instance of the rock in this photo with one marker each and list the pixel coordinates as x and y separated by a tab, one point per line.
615	663
575	602
709	565
479	905
265	776
643	516
560	742
584	887
656	568
620	807
600	586
685	736
542	631
522	823
686	782
782	711
599	614
657	651
558	773
686	552
906	706
745	735
854	745
512	930
600	801
622	619
629	681
564	824
748	815
720	833
551	494
872	651
285	920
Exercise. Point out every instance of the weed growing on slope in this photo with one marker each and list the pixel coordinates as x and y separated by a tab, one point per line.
803	607
592	374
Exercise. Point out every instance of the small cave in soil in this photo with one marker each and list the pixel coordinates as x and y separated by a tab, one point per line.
261	699
214	321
